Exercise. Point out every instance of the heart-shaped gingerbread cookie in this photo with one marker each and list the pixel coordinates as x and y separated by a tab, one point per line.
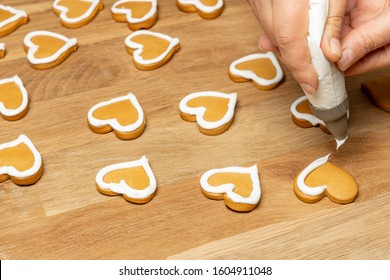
207	9
262	68
151	50
378	91
137	13
76	13
134	180
238	186
213	111
13	99
123	114
11	19
322	178
48	49
20	161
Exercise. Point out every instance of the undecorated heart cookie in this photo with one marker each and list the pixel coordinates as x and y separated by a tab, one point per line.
302	115
77	13
213	111
207	9
123	114
151	50
134	180
13	99
2	50
238	186
48	49
137	13
20	161
261	68
11	19
378	92
322	178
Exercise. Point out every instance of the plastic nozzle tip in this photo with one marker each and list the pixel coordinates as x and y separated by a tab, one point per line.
338	128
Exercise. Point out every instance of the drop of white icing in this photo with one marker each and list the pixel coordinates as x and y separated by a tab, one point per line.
340	142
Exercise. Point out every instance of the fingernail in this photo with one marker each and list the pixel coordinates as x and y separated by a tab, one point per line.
346	60
336	47
308	88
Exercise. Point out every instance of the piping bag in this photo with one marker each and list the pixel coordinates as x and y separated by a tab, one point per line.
330	102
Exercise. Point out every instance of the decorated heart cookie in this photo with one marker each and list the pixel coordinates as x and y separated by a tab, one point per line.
13	99
207	9
134	180
151	50
322	178
213	111
261	68
77	13
11	19
137	13
238	186
20	161
2	50
48	49
123	114
302	115
378	92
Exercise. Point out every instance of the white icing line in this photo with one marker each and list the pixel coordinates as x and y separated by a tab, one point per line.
304	116
205	8
17	15
12	171
64	11
248	74
253	198
122	187
128	12
114	122
2	46
15	111
311	191
33	48
200	111
139	47
339	143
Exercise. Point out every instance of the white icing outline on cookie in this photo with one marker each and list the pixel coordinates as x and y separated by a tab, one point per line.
114	122
200	111
122	187
199	5
2	46
64	11
304	116
12	171
311	191
138	48
13	112
228	188
17	15
250	75
32	48
128	12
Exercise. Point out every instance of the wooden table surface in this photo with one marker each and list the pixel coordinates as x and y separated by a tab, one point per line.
63	216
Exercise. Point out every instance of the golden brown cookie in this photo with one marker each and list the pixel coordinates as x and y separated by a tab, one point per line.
322	178
2	50
213	111
137	13
48	49
238	186
207	9
20	161
261	68
123	114
134	180
302	115
378	90
77	13
151	50
11	19
13	99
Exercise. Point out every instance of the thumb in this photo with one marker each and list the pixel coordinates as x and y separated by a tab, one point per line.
369	36
330	44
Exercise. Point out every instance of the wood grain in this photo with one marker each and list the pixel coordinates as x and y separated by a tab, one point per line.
64	217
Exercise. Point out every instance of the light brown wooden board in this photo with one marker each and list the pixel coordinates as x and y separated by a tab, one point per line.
64	217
